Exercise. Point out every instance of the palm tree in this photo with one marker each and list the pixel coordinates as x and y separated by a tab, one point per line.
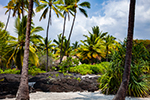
23	91
18	46
68	4
109	41
58	48
92	48
42	48
51	4
5	40
121	94
74	9
19	8
9	7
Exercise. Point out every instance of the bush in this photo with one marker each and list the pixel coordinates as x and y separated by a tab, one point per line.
66	64
34	71
10	71
89	69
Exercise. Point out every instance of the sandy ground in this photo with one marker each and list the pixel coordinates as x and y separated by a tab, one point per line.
73	96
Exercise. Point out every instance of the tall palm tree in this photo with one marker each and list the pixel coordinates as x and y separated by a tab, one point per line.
23	91
74	9
50	5
79	6
109	41
9	7
68	4
121	94
18	46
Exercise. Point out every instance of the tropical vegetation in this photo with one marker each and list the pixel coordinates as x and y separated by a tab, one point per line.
99	53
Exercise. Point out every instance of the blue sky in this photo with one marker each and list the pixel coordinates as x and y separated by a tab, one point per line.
110	15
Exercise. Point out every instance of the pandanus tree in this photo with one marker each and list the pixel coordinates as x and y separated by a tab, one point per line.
121	94
49	6
18	46
74	9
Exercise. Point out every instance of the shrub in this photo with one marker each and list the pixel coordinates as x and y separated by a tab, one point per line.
10	71
89	69
34	71
66	64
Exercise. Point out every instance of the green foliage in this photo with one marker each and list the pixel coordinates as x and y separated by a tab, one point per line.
10	71
79	79
139	77
34	71
90	69
66	64
139	82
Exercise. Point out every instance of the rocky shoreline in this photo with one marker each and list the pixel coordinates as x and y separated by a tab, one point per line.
48	82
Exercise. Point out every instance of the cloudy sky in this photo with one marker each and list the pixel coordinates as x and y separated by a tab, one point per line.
110	15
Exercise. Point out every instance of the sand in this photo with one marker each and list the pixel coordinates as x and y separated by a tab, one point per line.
73	96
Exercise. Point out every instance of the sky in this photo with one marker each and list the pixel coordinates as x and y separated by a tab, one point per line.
110	15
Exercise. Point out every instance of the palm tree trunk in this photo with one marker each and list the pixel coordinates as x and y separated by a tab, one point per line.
47	38
62	39
70	34
121	94
23	91
22	8
8	19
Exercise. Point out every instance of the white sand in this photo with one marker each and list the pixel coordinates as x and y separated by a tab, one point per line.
73	96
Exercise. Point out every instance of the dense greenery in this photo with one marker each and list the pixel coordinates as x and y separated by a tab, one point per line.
139	79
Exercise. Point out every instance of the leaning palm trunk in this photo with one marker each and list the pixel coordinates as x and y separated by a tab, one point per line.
47	38
61	56
126	75
23	91
69	34
8	19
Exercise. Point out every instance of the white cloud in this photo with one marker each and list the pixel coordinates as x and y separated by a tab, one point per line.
114	21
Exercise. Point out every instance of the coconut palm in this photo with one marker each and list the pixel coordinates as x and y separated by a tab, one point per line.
121	94
91	49
58	47
42	48
5	40
48	5
18	46
23	91
9	7
66	8
74	9
19	7
109	41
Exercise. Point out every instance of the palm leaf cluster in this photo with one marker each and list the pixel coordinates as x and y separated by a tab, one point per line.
94	47
17	46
